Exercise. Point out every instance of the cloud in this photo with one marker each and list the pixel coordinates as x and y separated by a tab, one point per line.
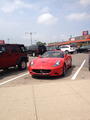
47	18
79	16
45	10
85	2
10	7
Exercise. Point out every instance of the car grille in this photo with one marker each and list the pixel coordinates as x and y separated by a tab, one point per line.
41	71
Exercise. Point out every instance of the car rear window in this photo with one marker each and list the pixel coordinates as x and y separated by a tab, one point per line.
2	49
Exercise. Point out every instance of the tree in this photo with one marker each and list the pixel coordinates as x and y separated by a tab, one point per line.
40	43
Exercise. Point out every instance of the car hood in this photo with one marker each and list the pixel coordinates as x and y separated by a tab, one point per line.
45	62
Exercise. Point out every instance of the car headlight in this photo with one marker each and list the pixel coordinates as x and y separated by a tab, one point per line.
31	63
57	64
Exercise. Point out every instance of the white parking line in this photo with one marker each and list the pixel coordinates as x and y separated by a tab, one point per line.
75	75
14	78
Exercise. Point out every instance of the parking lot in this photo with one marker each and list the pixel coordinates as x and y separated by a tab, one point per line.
52	98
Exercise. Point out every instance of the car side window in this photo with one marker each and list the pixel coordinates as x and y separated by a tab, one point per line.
14	49
2	49
22	49
64	46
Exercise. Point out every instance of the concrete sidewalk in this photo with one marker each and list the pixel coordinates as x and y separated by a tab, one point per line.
67	100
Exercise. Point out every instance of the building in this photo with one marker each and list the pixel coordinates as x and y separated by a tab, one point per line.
77	41
2	42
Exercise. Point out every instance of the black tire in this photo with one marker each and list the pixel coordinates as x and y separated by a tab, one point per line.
66	51
64	70
89	67
70	64
22	65
5	69
33	76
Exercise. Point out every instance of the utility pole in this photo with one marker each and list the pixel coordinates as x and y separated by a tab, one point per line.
8	40
30	33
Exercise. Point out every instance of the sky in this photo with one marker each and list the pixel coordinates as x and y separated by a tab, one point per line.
47	20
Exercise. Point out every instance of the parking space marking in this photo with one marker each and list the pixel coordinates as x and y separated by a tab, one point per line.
12	79
77	72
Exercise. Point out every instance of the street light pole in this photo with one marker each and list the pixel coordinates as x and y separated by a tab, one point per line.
8	40
30	33
31	37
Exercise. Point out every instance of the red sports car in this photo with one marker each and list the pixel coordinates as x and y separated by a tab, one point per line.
51	63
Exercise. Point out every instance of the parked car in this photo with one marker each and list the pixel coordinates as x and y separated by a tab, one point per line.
82	49
51	63
12	55
68	48
36	50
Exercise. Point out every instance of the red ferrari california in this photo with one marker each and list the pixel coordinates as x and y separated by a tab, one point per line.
51	63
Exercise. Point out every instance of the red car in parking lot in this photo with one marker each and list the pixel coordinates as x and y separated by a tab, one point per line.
12	55
51	63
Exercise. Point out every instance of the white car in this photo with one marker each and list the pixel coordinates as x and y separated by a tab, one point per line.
67	48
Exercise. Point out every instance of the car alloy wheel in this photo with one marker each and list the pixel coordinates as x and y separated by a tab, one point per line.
22	65
33	54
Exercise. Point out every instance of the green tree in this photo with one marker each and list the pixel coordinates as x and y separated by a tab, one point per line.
40	43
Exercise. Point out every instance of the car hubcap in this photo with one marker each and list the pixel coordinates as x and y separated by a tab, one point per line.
23	65
33	54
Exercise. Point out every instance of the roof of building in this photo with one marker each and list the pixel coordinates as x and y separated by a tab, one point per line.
68	42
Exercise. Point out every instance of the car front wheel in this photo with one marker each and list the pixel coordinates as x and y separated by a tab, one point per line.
22	65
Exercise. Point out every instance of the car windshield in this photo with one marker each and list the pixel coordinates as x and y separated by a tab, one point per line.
53	54
84	47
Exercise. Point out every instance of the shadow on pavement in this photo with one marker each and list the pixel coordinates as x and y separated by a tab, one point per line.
9	72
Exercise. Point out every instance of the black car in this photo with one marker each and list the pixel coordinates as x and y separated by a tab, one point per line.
35	50
82	49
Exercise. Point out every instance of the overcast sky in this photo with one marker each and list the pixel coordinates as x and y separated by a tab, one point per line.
48	20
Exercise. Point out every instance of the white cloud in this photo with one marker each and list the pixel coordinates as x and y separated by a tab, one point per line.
85	2
45	10
47	18
79	16
10	7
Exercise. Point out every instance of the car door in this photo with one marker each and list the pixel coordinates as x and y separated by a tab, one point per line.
15	54
11	55
3	57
